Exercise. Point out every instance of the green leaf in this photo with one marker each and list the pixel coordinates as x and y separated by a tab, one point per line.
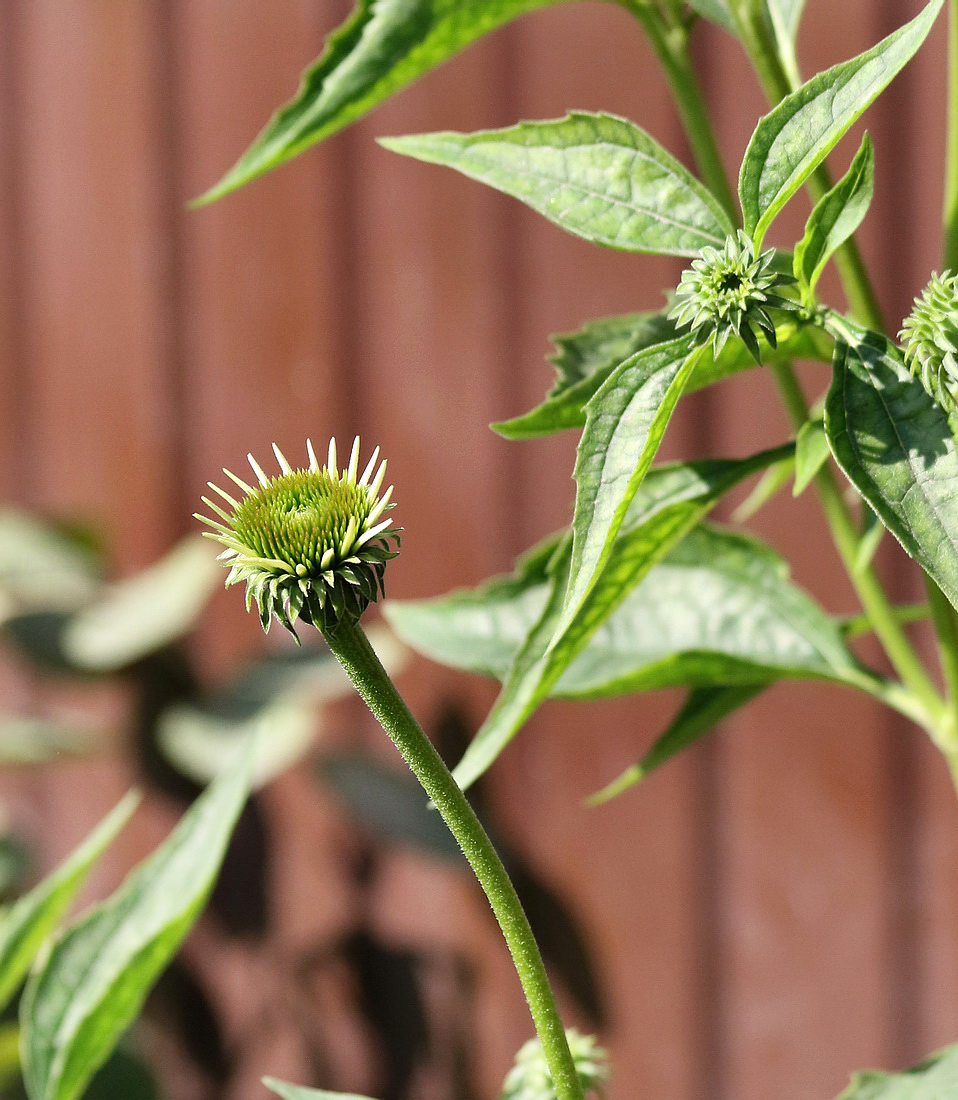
934	1079
785	14
30	920
672	500
594	175
716	11
895	445
835	217
146	612
299	1092
718	608
792	140
811	453
97	974
41	566
382	47
586	359
700	714
625	423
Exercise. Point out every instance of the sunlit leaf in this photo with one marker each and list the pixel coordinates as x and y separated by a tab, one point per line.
299	1092
97	974
934	1079
32	918
795	136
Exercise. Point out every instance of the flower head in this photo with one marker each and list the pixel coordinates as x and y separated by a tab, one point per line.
930	338
729	292
311	543
529	1078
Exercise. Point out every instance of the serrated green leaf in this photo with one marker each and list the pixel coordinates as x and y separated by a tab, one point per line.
586	359
29	921
594	175
934	1079
792	140
672	500
700	714
299	1092
625	423
716	11
142	614
811	453
834	218
98	972
382	47
896	447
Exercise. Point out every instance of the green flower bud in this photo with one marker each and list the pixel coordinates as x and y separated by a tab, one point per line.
930	338
311	544
529	1078
729	293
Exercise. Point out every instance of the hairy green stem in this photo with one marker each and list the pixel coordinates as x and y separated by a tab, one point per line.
950	252
351	648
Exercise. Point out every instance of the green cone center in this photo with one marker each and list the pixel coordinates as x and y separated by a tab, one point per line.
297	517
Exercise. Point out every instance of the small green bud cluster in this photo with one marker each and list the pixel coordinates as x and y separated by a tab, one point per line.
529	1078
930	338
311	544
728	292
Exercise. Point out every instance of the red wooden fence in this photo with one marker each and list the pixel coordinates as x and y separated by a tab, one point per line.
771	911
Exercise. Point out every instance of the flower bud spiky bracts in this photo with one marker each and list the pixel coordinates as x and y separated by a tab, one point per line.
728	292
529	1078
311	544
930	338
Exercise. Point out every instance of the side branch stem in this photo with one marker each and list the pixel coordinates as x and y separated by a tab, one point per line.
351	647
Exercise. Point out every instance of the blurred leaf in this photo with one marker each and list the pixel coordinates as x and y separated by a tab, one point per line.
716	11
276	700
703	709
768	486
597	176
25	740
124	1076
139	615
389	802
39	637
934	1079
15	862
29	921
41	566
98	972
299	1092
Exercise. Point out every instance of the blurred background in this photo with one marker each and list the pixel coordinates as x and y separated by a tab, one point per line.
770	911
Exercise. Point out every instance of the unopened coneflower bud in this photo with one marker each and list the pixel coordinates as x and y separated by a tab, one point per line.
930	338
310	543
530	1079
728	292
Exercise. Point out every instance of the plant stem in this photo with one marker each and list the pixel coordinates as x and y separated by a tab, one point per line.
946	629
670	42
351	648
950	256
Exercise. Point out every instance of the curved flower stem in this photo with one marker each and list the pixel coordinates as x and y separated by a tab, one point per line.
351	648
